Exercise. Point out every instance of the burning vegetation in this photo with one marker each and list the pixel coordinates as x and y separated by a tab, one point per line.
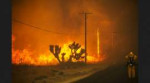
68	53
75	54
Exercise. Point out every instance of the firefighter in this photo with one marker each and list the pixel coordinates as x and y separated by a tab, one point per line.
131	58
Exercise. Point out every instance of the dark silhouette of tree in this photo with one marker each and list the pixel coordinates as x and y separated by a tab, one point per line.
55	51
71	46
63	59
79	55
74	48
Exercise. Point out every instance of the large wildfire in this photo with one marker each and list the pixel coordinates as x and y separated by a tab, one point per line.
30	57
59	17
36	24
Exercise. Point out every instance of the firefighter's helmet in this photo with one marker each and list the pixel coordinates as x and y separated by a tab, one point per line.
131	54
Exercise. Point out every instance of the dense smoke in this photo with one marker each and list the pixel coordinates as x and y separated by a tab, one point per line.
63	19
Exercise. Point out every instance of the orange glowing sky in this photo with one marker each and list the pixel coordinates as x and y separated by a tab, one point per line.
62	18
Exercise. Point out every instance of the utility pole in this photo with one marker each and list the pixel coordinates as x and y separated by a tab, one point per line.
85	18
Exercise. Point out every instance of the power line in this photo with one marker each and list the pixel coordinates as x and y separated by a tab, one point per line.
18	21
39	27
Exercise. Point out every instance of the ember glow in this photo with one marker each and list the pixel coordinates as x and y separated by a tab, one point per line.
30	57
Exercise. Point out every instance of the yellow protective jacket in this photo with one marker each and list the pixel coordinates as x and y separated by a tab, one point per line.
131	59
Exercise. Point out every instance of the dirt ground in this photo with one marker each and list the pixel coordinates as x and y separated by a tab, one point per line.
54	74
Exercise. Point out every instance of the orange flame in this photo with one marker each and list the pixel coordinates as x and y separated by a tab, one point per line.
27	56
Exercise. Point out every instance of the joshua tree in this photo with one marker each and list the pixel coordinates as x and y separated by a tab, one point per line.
74	48
56	51
63	59
78	55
